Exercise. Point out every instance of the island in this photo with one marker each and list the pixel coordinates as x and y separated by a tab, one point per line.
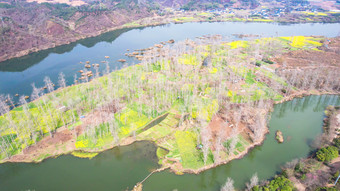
279	136
203	102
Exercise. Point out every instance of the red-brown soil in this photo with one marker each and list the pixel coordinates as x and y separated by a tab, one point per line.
61	142
329	56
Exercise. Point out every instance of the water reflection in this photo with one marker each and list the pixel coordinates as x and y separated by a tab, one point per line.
301	104
23	63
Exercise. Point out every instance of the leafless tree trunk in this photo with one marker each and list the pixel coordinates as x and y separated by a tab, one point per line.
61	80
253	182
229	185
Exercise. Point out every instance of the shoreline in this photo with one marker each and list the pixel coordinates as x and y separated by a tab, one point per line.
132	25
129	141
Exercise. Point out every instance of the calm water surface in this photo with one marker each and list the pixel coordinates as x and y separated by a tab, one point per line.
17	75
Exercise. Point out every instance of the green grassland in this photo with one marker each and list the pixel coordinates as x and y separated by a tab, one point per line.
152	100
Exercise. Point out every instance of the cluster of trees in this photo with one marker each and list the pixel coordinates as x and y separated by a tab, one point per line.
236	119
283	182
251	114
329	143
278	183
30	122
321	78
326	189
327	154
165	76
311	172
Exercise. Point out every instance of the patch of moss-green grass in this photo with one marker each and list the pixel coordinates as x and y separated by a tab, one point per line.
190	156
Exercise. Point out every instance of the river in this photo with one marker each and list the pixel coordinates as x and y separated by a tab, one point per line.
17	75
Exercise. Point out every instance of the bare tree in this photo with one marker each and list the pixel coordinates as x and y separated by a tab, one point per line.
218	148
75	79
229	185
35	92
61	80
233	141
107	68
254	180
258	128
48	84
3	105
205	137
10	101
291	164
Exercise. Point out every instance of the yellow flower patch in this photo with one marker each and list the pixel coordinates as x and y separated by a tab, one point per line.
188	59
80	154
238	44
213	70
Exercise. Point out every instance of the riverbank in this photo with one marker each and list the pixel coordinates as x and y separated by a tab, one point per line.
313	173
181	104
298	105
156	20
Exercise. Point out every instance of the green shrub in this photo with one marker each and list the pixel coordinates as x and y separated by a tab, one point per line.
266	60
161	152
298	168
335	176
336	142
281	183
278	183
258	63
256	188
326	189
284	173
327	154
303	177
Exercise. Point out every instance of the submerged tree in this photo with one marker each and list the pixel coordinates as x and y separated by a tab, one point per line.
48	84
229	185
253	182
35	92
3	105
61	80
